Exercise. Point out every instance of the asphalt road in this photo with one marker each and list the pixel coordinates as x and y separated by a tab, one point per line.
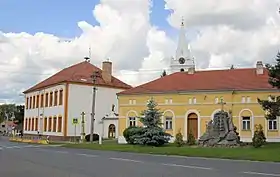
17	159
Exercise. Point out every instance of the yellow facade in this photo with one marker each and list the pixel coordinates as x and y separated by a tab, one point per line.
180	108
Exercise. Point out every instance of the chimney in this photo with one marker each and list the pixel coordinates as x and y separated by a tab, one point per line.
191	70
259	67
107	71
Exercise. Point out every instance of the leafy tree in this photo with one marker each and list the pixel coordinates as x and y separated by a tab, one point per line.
19	113
191	139
163	73
272	107
7	111
259	138
179	139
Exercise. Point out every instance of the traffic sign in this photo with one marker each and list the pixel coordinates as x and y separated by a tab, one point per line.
75	121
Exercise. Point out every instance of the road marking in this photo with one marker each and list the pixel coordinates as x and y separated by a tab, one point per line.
87	155
128	160
187	166
261	174
12	147
60	152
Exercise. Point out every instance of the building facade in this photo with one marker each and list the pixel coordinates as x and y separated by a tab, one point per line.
52	104
192	100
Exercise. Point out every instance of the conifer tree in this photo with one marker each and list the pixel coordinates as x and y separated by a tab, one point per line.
152	134
272	107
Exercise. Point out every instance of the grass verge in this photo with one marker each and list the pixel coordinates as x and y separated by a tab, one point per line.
270	152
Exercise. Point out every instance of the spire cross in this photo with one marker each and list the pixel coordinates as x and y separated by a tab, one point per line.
222	103
183	21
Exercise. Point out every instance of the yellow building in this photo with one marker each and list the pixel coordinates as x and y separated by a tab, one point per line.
189	100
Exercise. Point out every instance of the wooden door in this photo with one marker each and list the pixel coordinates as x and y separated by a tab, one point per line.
193	125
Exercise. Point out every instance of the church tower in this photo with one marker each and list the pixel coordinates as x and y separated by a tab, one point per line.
183	60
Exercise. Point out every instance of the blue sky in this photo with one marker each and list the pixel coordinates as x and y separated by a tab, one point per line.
60	17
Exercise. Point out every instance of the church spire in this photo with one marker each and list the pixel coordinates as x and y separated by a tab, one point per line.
183	59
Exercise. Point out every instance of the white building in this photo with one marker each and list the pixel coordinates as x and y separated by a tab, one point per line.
53	103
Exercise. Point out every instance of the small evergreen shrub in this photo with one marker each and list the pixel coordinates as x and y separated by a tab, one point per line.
179	139
95	137
131	133
259	138
191	139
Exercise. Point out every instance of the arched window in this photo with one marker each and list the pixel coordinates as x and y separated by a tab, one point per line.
55	97
60	97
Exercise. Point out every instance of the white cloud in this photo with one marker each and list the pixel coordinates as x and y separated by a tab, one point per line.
229	32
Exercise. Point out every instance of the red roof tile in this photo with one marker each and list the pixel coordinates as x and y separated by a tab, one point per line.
79	73
214	80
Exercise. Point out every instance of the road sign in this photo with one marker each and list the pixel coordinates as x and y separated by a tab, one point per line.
75	121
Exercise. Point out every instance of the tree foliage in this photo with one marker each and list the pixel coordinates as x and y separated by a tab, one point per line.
272	107
11	111
259	138
179	139
151	133
163	73
191	139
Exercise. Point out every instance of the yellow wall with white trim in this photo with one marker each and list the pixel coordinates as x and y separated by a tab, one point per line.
133	105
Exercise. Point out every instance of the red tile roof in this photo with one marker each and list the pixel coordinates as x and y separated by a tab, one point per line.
214	80
78	73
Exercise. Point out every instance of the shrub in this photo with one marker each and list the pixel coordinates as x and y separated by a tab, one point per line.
95	137
152	136
131	133
179	139
191	139
259	138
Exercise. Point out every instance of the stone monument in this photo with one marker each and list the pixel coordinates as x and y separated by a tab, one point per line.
220	131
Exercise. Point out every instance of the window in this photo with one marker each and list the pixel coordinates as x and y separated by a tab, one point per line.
42	101
130	101
134	102
27	103
30	104
132	121
59	127
33	102
37	101
190	101
246	123
25	123
243	99
168	101
51	99
194	100
47	100
60	97
168	123
55	98
50	124
29	124
36	124
45	124
248	99
216	100
272	124
32	124
54	124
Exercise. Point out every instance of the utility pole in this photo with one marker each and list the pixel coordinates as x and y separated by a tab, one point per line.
94	77
83	127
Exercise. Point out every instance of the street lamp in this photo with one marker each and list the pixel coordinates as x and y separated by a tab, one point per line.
94	77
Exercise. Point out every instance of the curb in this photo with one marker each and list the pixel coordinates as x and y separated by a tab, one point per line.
28	141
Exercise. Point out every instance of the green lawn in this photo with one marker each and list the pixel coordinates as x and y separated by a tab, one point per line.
270	152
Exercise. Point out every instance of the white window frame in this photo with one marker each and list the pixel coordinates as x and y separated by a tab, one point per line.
248	99
243	99
168	125
247	123
194	100
272	124
216	100
132	121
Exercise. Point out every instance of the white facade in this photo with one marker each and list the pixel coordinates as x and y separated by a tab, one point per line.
44	112
79	100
